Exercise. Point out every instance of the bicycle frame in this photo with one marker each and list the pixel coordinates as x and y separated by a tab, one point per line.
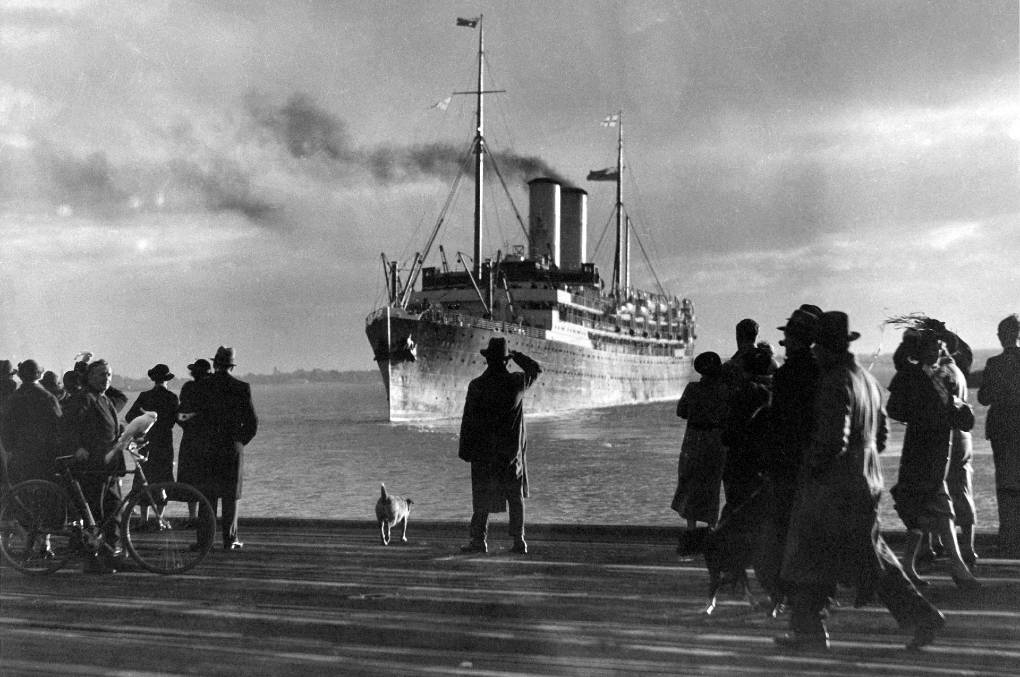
60	512
92	531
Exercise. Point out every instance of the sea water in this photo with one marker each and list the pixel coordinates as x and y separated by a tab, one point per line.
323	449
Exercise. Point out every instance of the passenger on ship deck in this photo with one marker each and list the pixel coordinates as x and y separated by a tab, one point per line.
493	438
702	454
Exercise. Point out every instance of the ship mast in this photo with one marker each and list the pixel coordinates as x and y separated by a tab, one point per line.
479	142
621	259
479	152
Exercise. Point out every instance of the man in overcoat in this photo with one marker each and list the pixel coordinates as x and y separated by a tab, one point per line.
90	431
1000	391
834	529
225	422
790	426
494	440
30	427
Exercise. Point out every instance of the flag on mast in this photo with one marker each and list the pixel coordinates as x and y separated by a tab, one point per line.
611	120
470	23
604	174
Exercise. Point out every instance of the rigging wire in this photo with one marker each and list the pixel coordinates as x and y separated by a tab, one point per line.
644	252
637	235
506	189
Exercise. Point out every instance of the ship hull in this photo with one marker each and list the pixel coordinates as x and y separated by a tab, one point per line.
426	367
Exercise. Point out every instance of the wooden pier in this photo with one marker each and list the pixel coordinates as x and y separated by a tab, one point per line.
325	598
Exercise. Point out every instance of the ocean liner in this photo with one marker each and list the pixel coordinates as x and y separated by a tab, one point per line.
599	344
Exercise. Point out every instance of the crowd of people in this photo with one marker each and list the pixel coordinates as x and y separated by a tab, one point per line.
40	421
794	449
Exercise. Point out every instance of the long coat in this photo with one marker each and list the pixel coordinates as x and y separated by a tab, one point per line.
702	454
921	490
30	431
225	422
189	470
493	436
1000	391
834	529
160	466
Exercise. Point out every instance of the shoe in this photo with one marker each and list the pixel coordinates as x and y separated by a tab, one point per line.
520	548
797	641
233	545
926	632
969	583
926	557
474	546
969	557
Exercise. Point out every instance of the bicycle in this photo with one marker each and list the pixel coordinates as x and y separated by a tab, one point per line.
43	525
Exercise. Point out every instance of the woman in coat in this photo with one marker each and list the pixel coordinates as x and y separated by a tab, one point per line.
160	449
702	454
924	395
188	465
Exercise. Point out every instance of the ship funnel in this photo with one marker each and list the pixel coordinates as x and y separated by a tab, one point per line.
573	228
544	220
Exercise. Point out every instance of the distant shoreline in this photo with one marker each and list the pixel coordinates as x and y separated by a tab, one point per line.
277	378
883	371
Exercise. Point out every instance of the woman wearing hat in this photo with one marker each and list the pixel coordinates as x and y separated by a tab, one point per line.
925	395
160	466
702	455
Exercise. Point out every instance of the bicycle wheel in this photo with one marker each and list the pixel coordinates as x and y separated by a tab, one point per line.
40	529
170	541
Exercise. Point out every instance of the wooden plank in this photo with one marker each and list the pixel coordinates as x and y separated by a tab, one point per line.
313	597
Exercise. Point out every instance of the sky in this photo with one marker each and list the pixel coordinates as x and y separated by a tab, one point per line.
175	176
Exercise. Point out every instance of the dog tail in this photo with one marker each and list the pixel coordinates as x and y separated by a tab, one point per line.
383	488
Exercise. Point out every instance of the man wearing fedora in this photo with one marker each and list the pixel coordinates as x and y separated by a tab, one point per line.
834	530
225	422
790	424
493	438
30	427
160	466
